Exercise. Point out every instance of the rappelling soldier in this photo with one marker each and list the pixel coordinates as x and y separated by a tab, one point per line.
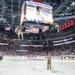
19	32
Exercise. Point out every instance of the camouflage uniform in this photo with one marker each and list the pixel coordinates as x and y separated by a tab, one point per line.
49	61
19	32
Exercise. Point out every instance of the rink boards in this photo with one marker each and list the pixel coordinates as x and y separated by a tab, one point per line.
68	57
63	57
25	57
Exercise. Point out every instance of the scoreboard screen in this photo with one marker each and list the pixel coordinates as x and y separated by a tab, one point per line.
36	12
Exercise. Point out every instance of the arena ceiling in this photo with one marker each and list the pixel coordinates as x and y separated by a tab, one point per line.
63	10
10	10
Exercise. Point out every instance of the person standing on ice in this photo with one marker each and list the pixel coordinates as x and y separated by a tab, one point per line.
49	61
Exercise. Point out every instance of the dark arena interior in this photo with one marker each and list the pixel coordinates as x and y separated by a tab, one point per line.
25	37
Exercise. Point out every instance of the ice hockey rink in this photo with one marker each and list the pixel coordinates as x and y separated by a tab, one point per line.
36	67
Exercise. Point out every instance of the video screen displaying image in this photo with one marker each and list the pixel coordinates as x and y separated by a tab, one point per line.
37	12
34	29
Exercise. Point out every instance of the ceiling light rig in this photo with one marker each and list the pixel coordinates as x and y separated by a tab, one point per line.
73	3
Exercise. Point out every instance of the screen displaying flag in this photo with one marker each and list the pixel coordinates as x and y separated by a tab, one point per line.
7	28
45	28
32	30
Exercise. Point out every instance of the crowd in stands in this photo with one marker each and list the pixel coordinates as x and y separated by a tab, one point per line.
66	49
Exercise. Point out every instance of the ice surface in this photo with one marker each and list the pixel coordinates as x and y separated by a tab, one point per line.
36	67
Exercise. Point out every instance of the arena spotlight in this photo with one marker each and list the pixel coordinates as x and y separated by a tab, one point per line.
73	3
